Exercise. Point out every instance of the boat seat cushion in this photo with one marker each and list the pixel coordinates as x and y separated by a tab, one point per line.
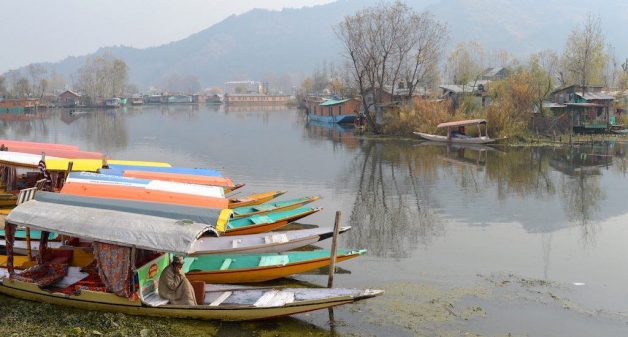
225	264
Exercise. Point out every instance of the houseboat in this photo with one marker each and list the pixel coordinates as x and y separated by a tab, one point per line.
179	99
137	100
112	102
340	111
256	99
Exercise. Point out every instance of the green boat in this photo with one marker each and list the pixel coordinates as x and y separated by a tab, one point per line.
261	223
285	205
253	268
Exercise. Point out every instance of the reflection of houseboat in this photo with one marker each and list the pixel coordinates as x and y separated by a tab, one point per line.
112	102
333	110
137	100
256	99
179	99
586	159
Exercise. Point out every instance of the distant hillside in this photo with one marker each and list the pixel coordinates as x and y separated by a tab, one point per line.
295	41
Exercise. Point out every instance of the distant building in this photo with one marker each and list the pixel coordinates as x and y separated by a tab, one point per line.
589	109
495	74
18	105
69	99
256	99
244	87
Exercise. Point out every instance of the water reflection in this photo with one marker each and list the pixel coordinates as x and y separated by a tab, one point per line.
389	214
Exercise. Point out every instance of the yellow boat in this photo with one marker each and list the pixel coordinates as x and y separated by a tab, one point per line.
255	199
122	233
138	163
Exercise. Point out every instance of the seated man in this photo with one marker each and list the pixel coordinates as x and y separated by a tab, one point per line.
174	286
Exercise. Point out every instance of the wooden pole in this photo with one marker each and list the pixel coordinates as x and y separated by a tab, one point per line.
29	253
332	258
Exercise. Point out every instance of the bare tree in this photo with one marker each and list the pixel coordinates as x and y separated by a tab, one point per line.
37	75
102	76
584	55
544	69
3	88
386	44
466	63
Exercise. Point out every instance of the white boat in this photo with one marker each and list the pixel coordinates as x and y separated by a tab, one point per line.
455	136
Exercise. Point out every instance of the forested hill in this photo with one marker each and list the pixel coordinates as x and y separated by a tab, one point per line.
295	41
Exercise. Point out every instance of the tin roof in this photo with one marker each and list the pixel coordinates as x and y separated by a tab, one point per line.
595	96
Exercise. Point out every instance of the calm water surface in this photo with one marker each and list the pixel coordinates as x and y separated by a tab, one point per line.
447	217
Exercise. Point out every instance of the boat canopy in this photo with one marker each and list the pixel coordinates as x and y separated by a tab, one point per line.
462	123
171	211
109	226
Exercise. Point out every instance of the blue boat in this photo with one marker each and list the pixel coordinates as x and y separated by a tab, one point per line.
118	169
339	119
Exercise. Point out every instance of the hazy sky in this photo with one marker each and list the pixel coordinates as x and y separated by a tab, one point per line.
45	30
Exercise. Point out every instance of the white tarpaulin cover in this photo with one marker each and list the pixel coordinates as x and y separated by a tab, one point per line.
110	226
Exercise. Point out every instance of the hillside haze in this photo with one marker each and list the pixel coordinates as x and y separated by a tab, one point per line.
295	41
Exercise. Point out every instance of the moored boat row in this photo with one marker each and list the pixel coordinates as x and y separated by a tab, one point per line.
71	211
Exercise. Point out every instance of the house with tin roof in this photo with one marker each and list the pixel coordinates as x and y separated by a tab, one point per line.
589	109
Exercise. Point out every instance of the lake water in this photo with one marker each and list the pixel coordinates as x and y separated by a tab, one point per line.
528	241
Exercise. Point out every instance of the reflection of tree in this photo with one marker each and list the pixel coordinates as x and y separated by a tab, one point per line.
106	131
581	196
388	215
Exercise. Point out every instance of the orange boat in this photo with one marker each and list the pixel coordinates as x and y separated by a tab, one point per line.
61	153
136	193
182	178
9	143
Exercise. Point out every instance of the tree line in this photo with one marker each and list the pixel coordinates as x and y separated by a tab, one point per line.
390	46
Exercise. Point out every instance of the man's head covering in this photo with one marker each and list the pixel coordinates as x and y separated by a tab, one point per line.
177	260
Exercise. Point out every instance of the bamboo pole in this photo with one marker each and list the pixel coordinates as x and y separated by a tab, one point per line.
332	258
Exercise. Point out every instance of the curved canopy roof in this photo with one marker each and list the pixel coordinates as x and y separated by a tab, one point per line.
462	123
111	226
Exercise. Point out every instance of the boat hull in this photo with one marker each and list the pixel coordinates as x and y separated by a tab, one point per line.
263	274
444	139
262	228
339	119
255	199
89	300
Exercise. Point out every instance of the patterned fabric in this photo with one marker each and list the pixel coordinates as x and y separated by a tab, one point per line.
44	172
43	274
9	232
114	267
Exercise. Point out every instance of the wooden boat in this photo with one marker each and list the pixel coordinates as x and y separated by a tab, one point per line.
38	145
139	193
454	136
157	185
264	223
124	232
221	219
224	182
254	243
72	154
251	268
255	199
284	205
178	170
137	163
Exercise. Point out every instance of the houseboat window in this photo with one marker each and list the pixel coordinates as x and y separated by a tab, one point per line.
340	109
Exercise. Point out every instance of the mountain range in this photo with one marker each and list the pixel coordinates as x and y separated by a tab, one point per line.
296	41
